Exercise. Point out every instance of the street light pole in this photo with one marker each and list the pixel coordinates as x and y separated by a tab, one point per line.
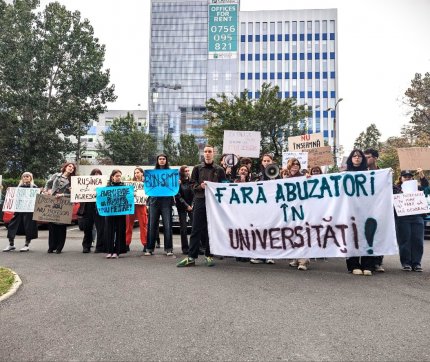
335	131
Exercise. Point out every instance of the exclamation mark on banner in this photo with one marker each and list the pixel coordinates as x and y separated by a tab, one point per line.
370	227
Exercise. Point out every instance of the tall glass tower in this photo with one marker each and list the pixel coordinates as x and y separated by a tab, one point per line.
200	48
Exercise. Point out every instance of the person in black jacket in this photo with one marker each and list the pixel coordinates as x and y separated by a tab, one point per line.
364	265
184	205
22	220
91	218
410	228
206	171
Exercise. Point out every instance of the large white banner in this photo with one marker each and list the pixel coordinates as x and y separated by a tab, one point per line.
20	199
332	215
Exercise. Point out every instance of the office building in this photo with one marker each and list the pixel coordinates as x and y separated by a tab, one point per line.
294	49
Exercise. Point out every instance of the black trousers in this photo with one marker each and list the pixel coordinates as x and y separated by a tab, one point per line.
200	229
366	263
90	219
57	236
184	227
115	234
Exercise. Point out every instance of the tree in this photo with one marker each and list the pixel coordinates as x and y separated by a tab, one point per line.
125	144
188	150
369	138
170	149
51	84
418	97
276	118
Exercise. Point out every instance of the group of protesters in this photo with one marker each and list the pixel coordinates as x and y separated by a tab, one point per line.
114	233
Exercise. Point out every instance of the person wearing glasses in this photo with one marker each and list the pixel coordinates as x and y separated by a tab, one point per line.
410	228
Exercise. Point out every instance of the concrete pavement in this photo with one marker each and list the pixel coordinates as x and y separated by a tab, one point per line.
82	307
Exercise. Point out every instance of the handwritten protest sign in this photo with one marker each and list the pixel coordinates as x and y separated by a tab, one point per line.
115	200
414	157
20	199
161	182
52	209
305	142
321	156
84	187
301	156
340	214
139	192
413	203
242	143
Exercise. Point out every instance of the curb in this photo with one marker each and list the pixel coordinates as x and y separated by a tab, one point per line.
14	288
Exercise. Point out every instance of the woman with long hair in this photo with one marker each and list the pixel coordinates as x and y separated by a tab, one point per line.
90	216
22	220
184	205
364	265
115	224
140	214
293	169
160	206
59	186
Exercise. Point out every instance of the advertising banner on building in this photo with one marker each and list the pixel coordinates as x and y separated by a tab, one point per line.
332	215
223	29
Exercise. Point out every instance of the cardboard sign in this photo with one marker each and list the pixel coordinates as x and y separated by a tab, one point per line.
84	187
301	156
52	209
20	199
161	182
414	157
321	156
115	200
139	192
414	203
242	143
305	142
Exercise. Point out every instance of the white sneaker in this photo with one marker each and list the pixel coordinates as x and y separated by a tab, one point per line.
169	253
24	248
357	272
294	263
256	261
9	248
270	261
302	267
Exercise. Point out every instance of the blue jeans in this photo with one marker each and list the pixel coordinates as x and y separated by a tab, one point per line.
165	210
410	237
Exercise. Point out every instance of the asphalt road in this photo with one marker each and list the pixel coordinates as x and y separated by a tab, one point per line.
82	307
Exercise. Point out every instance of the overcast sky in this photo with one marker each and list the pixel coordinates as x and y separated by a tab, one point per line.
381	45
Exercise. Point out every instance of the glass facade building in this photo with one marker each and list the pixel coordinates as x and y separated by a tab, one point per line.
294	49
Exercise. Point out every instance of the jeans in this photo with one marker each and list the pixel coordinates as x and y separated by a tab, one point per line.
410	237
154	216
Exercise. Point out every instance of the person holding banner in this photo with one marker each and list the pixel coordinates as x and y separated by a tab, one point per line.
206	171
91	218
59	186
293	169
115	225
139	213
263	175
184	205
410	228
160	206
23	219
364	265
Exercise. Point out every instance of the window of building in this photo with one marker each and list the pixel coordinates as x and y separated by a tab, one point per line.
294	27
250	29
272	28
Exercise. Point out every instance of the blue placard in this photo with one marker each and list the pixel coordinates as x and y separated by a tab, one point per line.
115	200
161	182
